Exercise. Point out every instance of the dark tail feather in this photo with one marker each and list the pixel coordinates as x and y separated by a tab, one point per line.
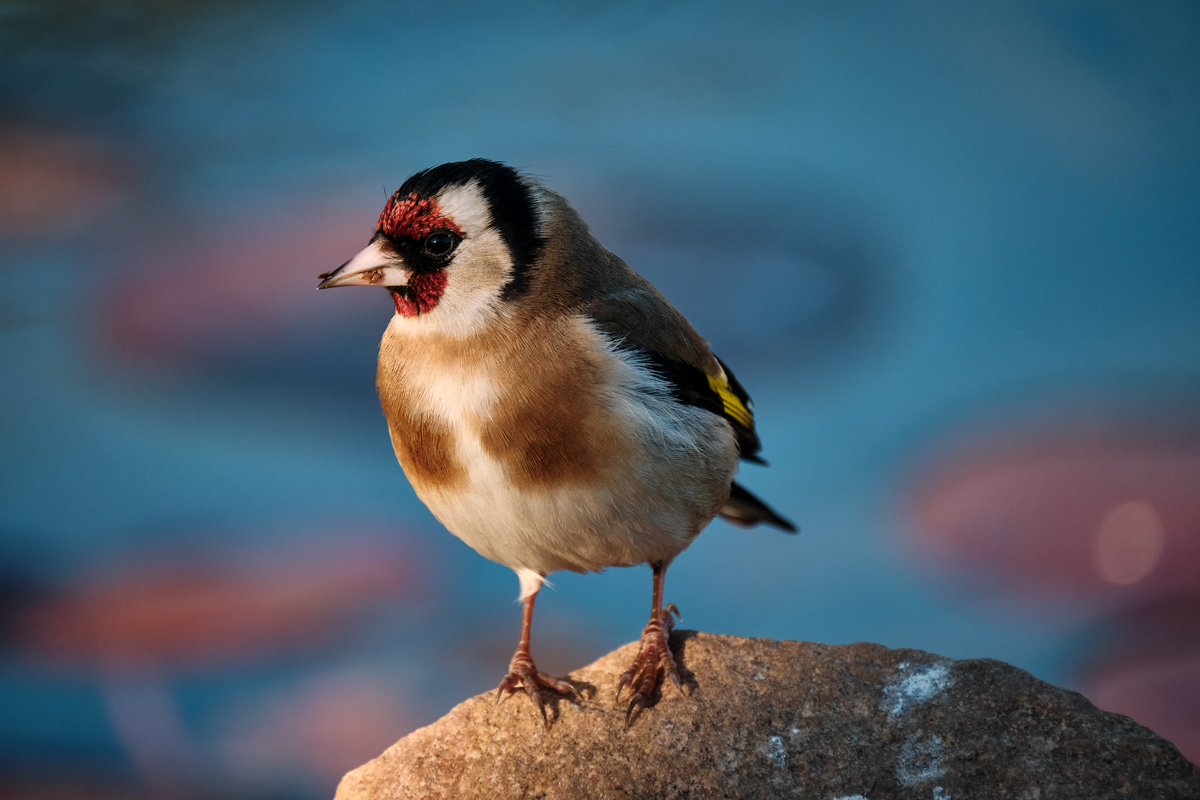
746	510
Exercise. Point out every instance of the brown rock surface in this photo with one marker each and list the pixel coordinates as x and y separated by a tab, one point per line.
788	719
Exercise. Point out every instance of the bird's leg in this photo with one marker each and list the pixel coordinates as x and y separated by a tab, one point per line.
654	655
522	673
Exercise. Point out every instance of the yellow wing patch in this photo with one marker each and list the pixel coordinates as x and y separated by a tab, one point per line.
733	406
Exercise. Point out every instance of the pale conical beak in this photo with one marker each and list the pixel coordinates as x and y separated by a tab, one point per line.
371	267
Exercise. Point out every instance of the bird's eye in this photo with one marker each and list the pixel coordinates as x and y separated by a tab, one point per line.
439	244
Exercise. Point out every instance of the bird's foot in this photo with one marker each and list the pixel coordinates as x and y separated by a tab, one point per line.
523	674
654	656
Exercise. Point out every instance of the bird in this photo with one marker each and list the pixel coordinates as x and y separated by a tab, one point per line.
549	406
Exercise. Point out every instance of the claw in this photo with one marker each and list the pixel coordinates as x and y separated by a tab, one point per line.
522	674
562	687
621	684
531	689
654	658
636	705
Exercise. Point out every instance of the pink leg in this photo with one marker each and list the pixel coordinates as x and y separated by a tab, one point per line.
522	673
654	655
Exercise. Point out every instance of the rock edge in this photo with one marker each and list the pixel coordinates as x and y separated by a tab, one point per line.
770	719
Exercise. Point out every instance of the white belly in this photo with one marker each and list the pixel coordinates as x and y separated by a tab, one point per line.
651	514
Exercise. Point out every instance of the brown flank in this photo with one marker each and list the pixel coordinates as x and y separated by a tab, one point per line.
424	445
550	427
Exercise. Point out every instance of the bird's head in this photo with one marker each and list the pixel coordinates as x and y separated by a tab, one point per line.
452	244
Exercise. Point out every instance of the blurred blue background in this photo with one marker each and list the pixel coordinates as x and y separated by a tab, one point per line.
951	250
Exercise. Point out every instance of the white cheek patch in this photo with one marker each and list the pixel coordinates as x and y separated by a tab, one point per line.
467	207
481	267
474	280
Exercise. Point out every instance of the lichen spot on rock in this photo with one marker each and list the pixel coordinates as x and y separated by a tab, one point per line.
915	684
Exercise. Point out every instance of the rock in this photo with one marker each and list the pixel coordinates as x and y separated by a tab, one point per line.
788	719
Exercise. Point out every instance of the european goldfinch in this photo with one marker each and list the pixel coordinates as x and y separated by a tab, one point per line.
548	404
